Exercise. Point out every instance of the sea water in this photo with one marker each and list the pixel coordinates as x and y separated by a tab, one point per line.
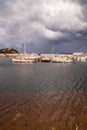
43	96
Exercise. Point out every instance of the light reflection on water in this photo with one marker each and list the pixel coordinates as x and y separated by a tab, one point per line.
43	96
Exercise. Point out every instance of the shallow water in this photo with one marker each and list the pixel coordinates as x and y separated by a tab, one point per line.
43	96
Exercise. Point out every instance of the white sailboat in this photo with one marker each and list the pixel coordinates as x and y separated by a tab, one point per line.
24	57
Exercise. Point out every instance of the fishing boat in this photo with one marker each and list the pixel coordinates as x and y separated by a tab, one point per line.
35	56
68	60
56	59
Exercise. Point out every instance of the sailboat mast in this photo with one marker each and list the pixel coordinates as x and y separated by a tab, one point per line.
25	40
24	47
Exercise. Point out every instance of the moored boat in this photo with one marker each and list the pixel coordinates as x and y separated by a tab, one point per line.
23	58
68	60
59	59
56	59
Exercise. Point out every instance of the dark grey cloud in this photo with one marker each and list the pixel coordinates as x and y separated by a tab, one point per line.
63	22
82	2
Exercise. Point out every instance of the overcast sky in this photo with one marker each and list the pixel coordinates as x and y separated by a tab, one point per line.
45	26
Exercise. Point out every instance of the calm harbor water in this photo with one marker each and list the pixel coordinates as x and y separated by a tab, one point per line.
43	96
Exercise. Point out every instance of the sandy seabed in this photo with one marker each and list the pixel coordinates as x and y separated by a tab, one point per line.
58	110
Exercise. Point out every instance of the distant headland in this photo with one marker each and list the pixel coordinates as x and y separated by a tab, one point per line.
8	50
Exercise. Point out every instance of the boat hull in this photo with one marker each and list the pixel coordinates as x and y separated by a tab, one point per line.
23	60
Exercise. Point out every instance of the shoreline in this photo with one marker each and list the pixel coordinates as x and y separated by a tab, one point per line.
48	55
54	57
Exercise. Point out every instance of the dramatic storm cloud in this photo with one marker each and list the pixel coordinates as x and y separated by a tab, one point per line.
44	24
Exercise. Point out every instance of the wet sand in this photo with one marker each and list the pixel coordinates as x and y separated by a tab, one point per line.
58	110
